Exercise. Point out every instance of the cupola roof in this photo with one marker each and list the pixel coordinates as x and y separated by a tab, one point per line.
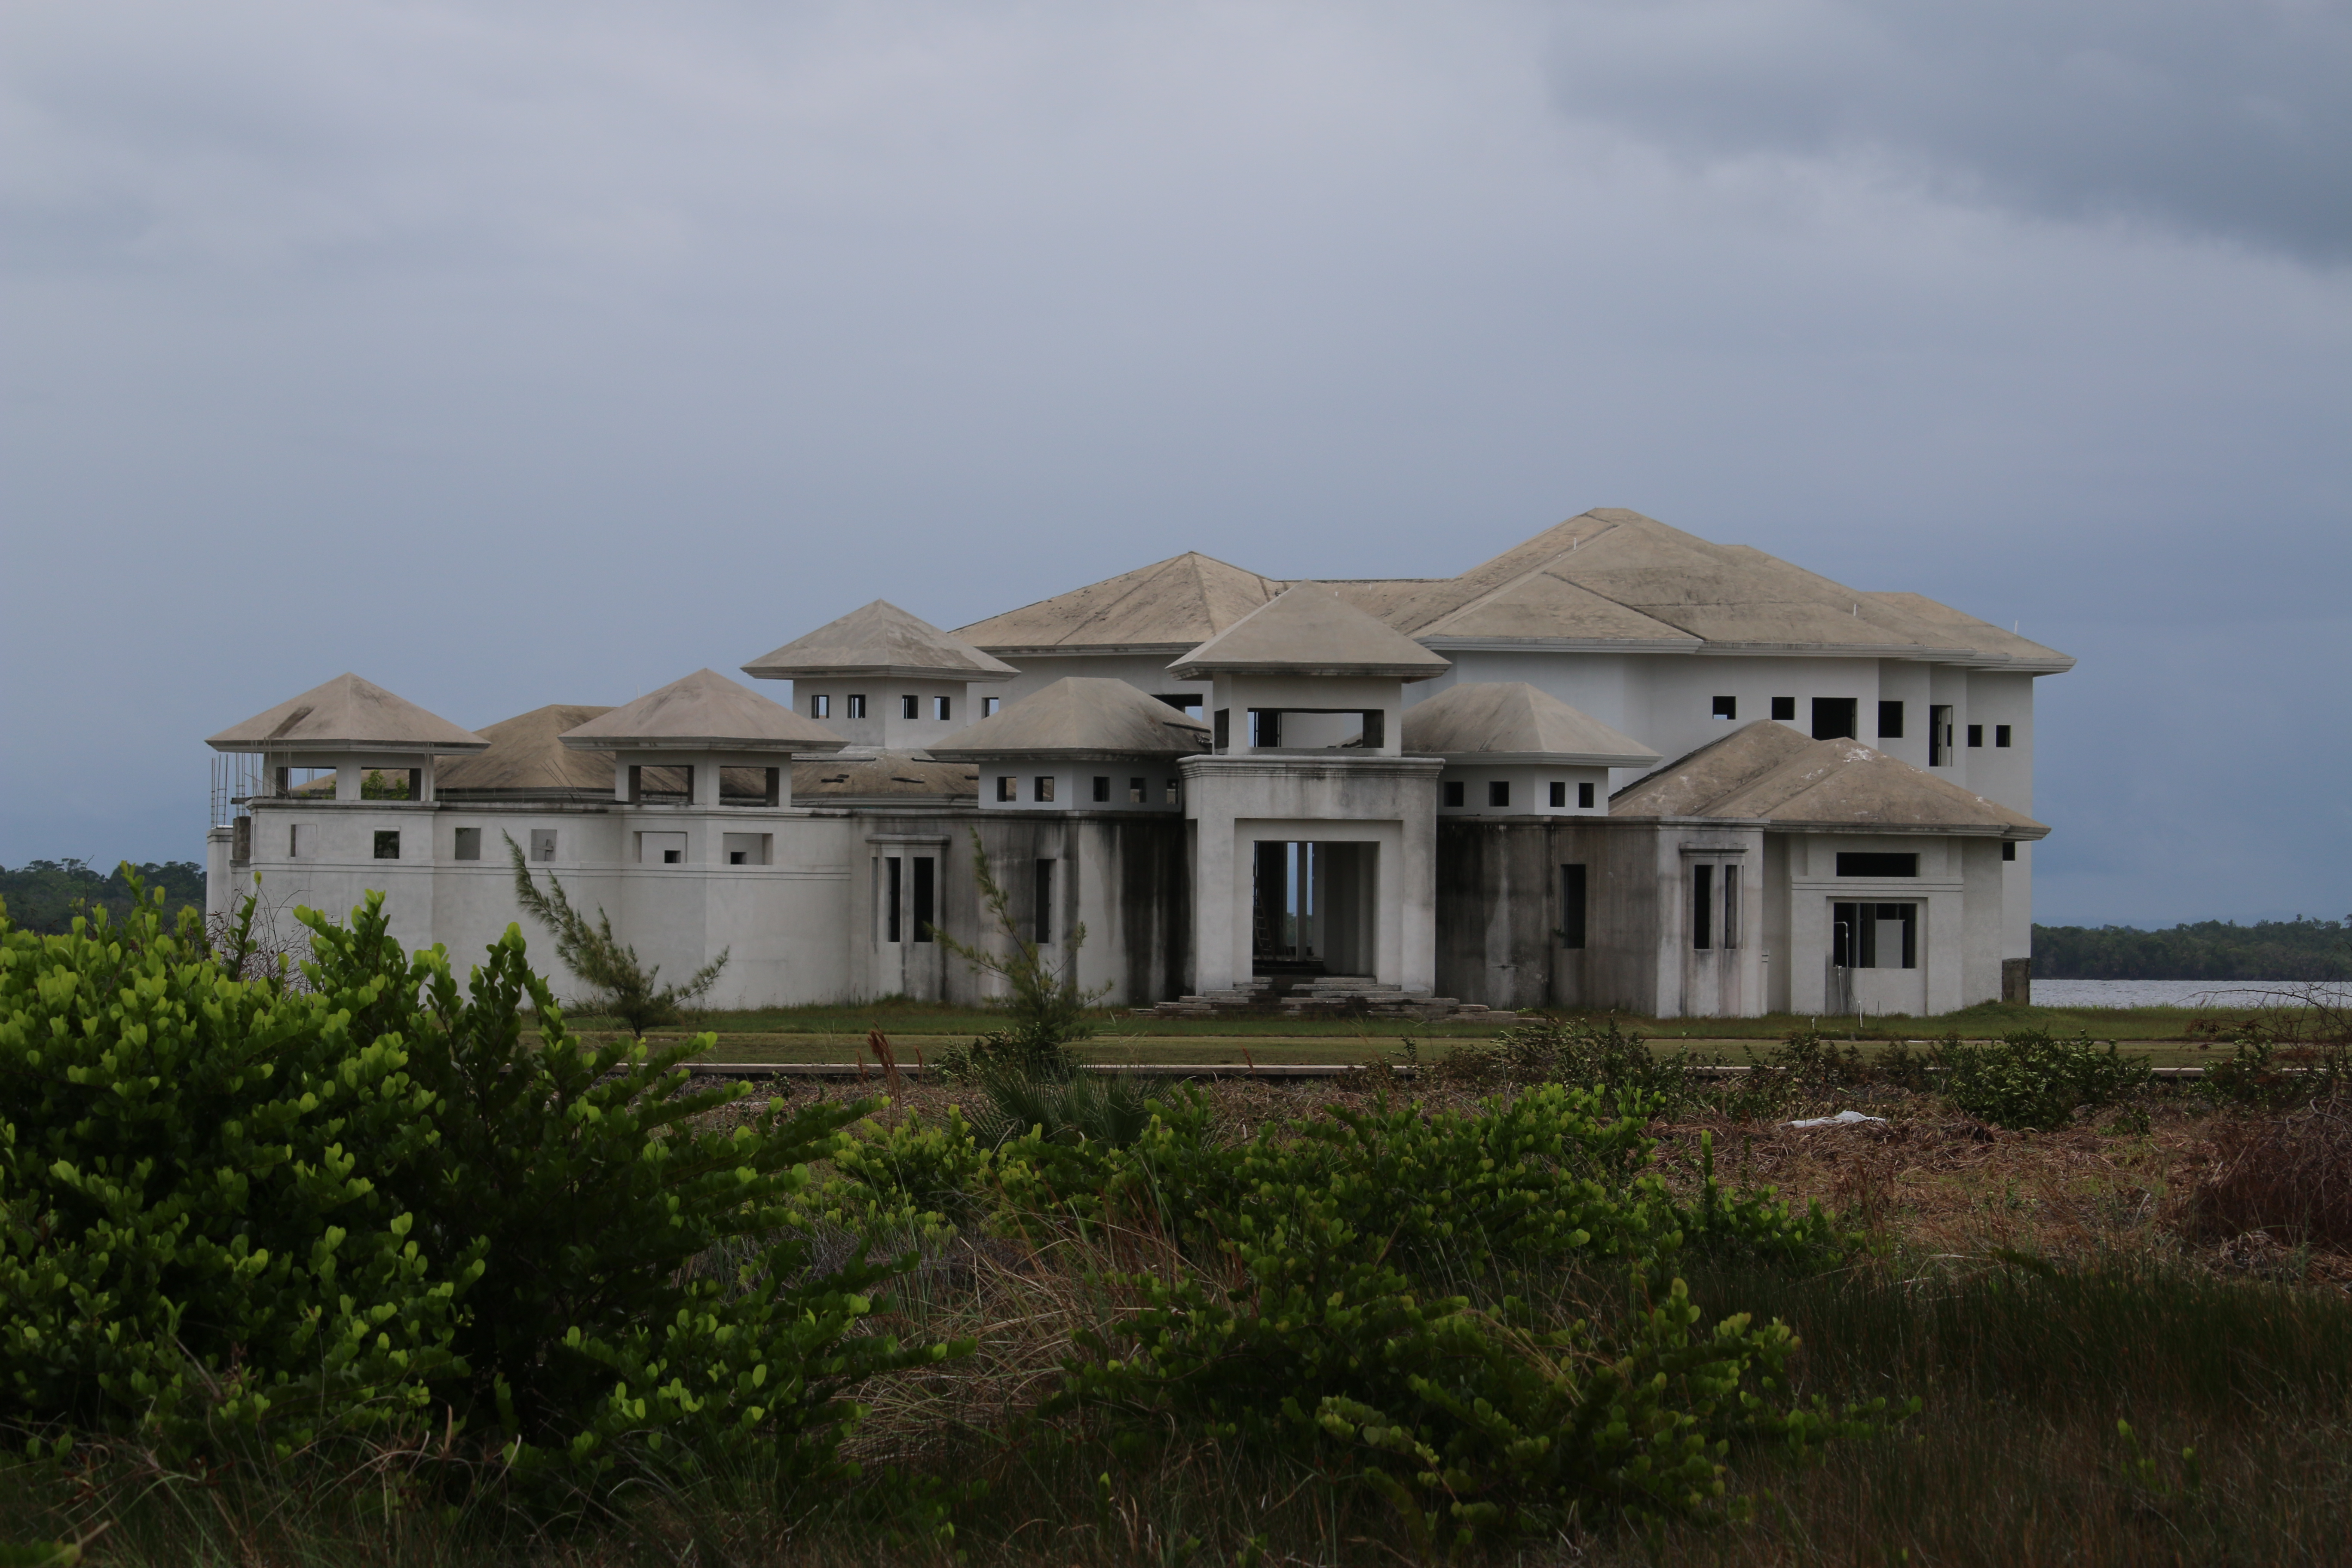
1512	721
880	641
1078	716
347	715
703	712
1311	630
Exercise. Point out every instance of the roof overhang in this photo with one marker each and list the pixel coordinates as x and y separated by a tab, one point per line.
700	743
1544	759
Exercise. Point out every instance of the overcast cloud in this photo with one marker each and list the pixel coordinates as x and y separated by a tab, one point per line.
520	353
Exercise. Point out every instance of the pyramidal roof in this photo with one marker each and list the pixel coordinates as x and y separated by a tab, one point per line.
704	711
1509	721
526	757
1311	630
347	714
1165	607
881	640
1822	785
1078	716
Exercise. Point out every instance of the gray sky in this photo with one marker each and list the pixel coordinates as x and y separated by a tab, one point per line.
527	353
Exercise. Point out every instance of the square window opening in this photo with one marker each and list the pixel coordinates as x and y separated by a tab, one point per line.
1785	709
858	705
1833	718
1007	788
387	844
1727	707
469	844
989	705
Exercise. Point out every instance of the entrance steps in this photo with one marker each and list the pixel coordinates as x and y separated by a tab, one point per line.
1325	997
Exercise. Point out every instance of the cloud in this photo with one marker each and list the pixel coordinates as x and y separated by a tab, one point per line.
2228	118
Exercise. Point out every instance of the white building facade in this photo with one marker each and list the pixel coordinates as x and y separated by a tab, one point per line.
1455	790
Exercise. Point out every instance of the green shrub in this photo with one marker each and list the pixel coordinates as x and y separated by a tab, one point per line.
1318	1316
1587	1053
241	1210
2034	1079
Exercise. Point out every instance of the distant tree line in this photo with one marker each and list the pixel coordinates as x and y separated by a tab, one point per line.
45	895
2298	948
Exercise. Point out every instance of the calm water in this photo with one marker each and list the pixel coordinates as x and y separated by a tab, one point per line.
2216	993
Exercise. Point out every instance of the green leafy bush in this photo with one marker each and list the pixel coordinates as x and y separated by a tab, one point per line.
240	1210
1318	1316
1591	1053
2032	1079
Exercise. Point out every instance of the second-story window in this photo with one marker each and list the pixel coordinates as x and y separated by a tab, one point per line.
1727	707
820	706
940	709
858	705
908	707
2000	734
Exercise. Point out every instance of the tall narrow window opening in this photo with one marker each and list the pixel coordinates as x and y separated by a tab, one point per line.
1558	795
1007	788
1571	906
1730	906
926	896
1939	734
1222	728
1045	895
1102	787
1134	792
1976	736
1890	721
1702	907
894	871
1584	795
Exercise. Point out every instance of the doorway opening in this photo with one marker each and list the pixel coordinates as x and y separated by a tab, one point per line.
1313	907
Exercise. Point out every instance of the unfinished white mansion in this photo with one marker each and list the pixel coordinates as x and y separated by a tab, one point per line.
1615	766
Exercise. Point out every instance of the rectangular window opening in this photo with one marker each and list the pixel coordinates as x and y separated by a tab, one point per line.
1007	788
1976	736
1376	733
1043	787
1174	796
1453	792
1702	907
820	705
1102	788
1833	718
1890	721
1044	896
894	875
1731	906
858	705
1571	906
1559	795
1137	792
2000	734
1939	734
1499	792
1875	936
1727	707
542	843
1266	726
1182	701
2009	850
941	708
907	707
1874	863
1222	728
926	896
1785	709
1585	793
387	844
989	705
469	844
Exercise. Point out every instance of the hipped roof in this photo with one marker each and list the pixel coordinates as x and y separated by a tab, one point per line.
1767	771
1166	607
1078	716
703	711
880	641
526	756
1607	579
347	714
1509	721
1311	630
